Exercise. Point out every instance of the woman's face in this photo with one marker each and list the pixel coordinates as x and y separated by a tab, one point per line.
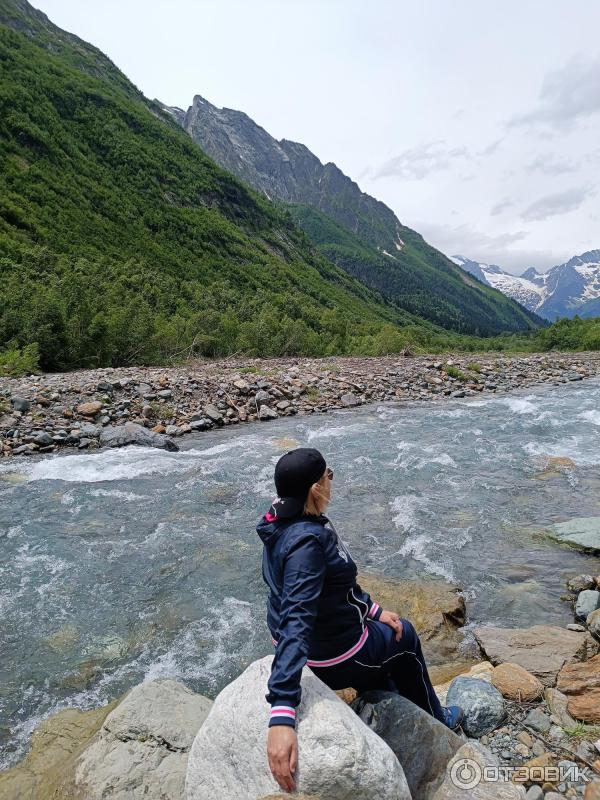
326	485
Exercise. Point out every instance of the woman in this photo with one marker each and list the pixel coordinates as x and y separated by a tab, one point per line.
318	615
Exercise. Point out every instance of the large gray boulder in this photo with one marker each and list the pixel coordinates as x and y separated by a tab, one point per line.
482	703
582	532
422	744
588	601
141	750
465	773
132	433
339	757
541	649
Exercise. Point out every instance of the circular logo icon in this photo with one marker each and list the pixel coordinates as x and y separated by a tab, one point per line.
466	773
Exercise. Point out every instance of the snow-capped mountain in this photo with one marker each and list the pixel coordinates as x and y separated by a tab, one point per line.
563	291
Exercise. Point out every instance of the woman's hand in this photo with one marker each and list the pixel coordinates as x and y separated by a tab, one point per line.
282	751
393	620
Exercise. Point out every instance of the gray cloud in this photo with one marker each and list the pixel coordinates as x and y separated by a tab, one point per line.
491	148
490	249
503	205
551	165
420	161
567	95
553	205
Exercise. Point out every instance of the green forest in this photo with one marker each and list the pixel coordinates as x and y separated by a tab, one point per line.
121	243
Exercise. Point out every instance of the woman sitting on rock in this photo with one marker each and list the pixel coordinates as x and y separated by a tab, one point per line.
318	615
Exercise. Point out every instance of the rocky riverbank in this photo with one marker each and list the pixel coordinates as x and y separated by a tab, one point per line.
531	729
155	406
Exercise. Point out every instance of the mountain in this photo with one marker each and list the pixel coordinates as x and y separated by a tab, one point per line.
352	229
569	289
121	242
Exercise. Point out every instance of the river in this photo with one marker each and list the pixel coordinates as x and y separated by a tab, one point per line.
128	564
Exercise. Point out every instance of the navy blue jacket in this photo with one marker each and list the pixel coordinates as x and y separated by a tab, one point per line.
316	610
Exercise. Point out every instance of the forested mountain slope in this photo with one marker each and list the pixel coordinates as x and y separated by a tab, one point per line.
353	229
122	242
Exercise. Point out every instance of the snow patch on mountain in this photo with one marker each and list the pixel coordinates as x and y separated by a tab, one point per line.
563	291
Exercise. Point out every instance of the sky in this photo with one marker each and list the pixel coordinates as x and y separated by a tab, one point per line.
476	121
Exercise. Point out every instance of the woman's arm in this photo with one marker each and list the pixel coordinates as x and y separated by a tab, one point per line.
303	575
375	609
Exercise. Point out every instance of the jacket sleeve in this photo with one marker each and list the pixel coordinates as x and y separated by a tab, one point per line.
303	575
375	609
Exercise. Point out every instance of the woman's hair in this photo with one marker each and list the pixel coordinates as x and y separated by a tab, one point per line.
310	506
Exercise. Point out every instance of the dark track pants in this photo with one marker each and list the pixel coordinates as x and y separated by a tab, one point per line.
384	663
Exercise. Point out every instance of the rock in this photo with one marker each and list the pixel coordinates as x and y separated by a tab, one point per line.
142	748
592	791
525	739
20	404
165	394
516	683
538	720
435	608
262	397
425	753
106	388
47	771
132	433
587	601
581	684
339	757
266	412
482	703
557	705
593	623
575	626
89	409
88	429
481	669
349	400
542	649
581	532
534	793
581	582
23	450
543	760
200	424
296	797
213	414
42	439
464	774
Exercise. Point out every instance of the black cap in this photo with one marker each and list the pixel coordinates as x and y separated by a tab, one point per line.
295	473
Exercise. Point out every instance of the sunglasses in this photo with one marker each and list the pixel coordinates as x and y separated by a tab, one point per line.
329	473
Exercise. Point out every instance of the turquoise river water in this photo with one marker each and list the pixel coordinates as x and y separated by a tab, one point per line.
122	565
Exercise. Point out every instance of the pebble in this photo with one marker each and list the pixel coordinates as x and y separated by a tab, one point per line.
215	393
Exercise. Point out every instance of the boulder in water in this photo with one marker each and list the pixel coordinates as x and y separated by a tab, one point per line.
142	748
435	608
587	602
425	752
582	532
132	433
338	756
